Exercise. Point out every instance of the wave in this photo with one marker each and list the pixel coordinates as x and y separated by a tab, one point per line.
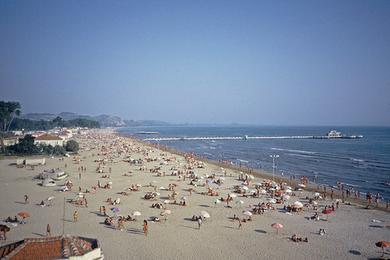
300	155
356	160
293	151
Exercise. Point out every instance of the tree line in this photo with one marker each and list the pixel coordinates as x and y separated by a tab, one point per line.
28	124
9	112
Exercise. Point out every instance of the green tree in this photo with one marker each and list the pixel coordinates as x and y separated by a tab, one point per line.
25	146
8	111
59	150
72	146
58	121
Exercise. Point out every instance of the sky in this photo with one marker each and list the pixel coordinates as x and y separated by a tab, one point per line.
252	62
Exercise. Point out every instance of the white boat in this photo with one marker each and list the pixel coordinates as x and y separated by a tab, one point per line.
59	176
48	183
55	174
333	134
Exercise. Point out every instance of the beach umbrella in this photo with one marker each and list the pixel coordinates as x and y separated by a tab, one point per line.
327	212
277	226
115	210
315	203
298	204
110	182
245	188
167	201
273	201
162	188
240	202
288	191
24	214
205	214
183	198
287	188
247	213
136	213
138	185
232	195
382	244
217	201
166	212
50	198
316	194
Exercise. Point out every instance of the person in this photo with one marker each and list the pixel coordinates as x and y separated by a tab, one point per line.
25	199
368	198
86	202
322	232
48	230
199	222
104	210
79	175
121	224
239	224
145	227
377	197
75	216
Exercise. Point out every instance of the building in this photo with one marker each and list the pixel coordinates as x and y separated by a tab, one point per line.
11	140
59	247
48	139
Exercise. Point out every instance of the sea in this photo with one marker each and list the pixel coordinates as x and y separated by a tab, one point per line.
360	164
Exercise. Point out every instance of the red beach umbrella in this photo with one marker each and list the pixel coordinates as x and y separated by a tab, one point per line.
327	212
24	214
277	226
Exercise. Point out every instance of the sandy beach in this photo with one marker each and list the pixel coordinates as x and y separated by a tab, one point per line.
351	230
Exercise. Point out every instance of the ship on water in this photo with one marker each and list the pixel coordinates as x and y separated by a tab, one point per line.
336	134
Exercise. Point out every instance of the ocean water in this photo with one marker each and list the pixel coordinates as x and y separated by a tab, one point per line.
363	164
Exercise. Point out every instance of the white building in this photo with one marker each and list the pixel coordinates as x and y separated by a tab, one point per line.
48	139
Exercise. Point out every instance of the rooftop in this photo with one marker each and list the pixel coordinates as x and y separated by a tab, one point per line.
48	137
59	247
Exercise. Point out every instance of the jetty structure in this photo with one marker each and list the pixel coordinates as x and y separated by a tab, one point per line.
333	134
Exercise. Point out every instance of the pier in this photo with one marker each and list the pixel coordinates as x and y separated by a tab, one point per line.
245	137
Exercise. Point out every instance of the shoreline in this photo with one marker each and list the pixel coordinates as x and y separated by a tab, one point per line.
310	186
349	228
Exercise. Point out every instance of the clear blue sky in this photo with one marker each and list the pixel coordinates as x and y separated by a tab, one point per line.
260	62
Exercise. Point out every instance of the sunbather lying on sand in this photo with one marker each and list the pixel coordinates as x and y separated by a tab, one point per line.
295	238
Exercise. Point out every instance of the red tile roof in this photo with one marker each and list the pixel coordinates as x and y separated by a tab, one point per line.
48	137
58	247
